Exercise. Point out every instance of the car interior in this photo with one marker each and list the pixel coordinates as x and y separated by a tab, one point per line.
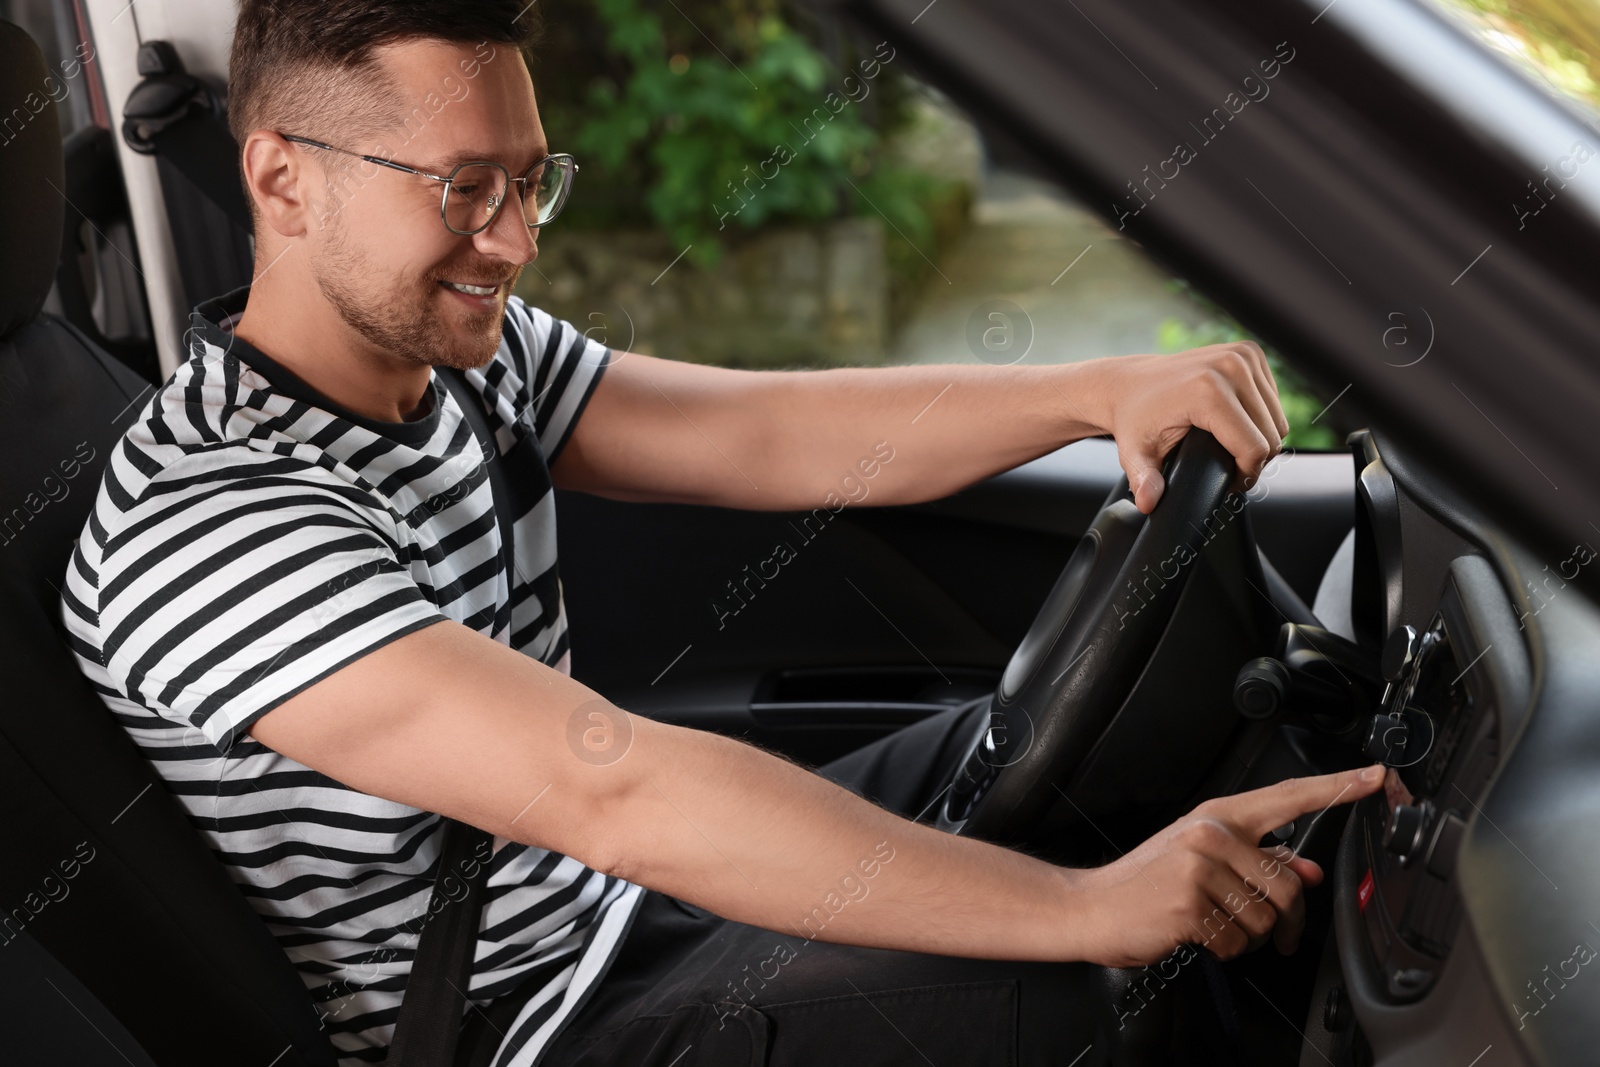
1418	597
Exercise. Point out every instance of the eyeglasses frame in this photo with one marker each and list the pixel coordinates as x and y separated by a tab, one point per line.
561	159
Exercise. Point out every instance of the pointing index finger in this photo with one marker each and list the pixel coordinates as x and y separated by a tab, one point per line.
1259	811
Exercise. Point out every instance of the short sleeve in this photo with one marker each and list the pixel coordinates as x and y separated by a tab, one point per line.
218	603
561	365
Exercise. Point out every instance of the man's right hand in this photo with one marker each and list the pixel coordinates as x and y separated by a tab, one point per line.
1204	880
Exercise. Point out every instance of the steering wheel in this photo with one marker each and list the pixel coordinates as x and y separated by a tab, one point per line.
1088	646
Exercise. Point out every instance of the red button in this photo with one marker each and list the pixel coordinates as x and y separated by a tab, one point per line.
1364	890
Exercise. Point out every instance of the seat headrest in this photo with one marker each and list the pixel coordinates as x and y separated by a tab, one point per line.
30	151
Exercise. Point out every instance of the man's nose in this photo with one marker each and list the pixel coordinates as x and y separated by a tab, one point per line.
509	236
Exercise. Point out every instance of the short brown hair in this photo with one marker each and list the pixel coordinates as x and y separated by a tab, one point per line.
310	62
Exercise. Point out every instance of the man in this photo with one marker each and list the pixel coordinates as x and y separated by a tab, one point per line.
291	593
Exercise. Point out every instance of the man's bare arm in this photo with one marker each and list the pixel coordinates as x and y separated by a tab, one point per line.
659	430
447	720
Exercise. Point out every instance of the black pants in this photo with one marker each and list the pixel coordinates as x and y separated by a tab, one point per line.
690	989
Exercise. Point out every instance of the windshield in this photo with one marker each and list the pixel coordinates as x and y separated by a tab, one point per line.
1555	42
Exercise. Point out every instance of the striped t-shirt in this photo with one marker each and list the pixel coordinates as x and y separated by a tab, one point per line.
250	537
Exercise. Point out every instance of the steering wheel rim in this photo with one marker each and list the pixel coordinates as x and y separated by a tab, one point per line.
1087	647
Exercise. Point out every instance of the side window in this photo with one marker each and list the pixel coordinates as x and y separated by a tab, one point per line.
773	192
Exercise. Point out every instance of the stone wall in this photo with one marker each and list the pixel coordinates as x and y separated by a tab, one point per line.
795	297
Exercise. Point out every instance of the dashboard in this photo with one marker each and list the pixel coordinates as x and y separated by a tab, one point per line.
1438	732
1457	901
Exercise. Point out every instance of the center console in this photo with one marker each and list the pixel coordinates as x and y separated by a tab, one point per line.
1439	730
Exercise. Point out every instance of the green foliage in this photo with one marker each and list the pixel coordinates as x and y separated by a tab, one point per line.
1555	40
1299	405
706	140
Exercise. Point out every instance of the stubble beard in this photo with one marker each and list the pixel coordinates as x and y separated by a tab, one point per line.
405	322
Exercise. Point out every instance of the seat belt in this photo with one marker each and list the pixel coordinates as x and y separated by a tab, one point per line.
178	119
429	1026
173	115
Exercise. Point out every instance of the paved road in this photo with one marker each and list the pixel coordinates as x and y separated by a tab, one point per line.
1024	235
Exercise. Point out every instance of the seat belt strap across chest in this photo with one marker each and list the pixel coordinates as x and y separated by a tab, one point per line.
429	1025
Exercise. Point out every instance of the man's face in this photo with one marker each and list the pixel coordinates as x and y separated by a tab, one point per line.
380	252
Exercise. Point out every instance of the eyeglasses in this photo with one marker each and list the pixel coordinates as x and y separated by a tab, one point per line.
475	192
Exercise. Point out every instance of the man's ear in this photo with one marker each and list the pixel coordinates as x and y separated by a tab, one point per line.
275	177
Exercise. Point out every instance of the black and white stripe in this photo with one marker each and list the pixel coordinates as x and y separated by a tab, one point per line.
250	538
